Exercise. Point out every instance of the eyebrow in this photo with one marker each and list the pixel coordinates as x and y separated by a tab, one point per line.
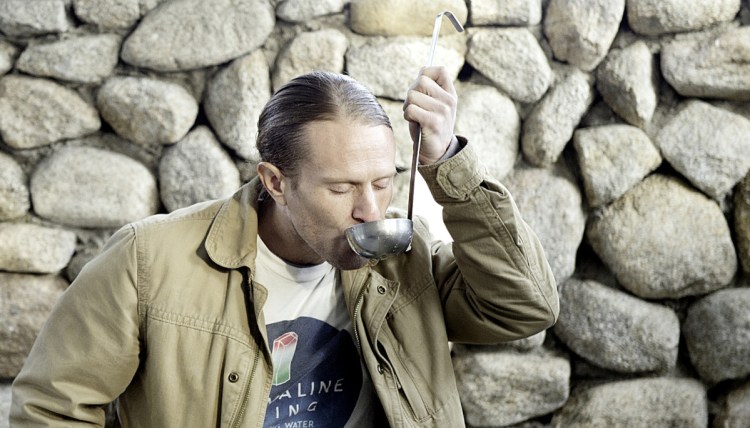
333	180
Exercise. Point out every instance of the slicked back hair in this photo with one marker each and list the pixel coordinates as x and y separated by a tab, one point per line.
307	98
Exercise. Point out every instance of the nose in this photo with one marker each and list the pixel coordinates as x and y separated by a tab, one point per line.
366	206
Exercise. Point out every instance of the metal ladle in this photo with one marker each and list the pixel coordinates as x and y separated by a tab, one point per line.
383	238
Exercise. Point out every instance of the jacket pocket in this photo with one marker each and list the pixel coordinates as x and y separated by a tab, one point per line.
408	387
192	359
423	375
411	343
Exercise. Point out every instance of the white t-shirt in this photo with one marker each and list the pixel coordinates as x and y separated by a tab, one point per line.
319	379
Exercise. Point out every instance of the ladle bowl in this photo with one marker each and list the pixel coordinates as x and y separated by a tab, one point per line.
382	238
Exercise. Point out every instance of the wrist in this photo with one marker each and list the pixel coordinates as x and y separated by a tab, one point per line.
451	150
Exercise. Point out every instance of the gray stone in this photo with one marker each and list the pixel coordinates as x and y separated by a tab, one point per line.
77	262
490	120
310	51
552	206
113	14
552	121
92	188
146	110
738	107
717	333
8	53
147	154
509	12
14	193
31	248
581	31
612	159
530	343
405	58
709	66
305	10
36	112
599	114
109	14
500	388
513	60
615	330
648	402
196	169
713	167
742	221
662	239
190	34
32	18
90	244
402	18
736	411
234	99
195	81
526	344
85	59
25	303
655	17
626	81
5	389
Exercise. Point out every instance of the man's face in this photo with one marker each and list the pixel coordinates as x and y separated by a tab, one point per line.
347	178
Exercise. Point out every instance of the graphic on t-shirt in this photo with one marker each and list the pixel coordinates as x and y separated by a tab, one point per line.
317	375
282	355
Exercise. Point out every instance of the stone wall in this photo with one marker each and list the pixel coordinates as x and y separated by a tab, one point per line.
622	127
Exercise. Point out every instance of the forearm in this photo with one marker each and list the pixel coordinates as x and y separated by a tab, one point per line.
501	286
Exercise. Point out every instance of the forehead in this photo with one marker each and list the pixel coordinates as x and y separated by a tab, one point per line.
349	147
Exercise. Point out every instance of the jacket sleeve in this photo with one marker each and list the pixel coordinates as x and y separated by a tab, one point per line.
494	279
87	352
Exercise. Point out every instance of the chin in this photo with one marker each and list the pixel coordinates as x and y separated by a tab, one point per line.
350	261
341	256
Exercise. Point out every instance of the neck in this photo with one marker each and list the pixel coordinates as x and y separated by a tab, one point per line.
279	235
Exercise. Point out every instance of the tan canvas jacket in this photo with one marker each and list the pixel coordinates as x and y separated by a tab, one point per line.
169	319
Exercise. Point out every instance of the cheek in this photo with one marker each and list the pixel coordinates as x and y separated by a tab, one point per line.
388	197
328	211
384	198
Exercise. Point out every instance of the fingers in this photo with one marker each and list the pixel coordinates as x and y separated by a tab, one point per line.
432	97
435	82
441	77
429	112
431	102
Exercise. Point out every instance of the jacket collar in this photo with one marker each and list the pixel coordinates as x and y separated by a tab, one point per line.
231	239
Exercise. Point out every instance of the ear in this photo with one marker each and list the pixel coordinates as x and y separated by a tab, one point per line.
273	180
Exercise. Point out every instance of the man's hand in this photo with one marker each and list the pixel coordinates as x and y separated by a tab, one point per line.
431	103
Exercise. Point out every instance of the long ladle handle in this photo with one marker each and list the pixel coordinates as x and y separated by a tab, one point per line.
413	175
418	141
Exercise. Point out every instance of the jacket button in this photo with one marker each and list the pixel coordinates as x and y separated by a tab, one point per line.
381	289
233	377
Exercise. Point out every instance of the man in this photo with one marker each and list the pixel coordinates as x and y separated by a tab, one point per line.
254	311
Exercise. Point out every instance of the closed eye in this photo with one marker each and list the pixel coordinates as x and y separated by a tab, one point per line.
341	190
383	183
